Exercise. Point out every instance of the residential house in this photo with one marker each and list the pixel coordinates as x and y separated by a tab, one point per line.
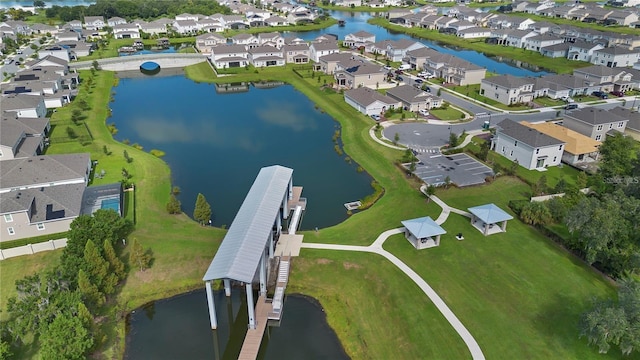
44	29
560	50
578	149
265	55
559	86
414	99
185	27
22	137
518	38
126	31
276	21
75	25
508	89
186	17
609	79
535	43
322	48
417	58
210	25
246	40
528	147
582	51
328	64
77	49
229	56
296	53
359	75
593	122
633	124
156	27
17	27
116	21
348	3
397	50
453	70
616	56
94	22
369	101
272	39
474	33
62	53
24	106
624	18
300	15
68	35
44	171
204	42
358	39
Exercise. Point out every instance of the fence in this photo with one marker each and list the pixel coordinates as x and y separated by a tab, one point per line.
31	249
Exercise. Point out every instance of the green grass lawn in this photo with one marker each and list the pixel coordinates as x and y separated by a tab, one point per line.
447	114
580	24
557	65
375	310
473	91
547	101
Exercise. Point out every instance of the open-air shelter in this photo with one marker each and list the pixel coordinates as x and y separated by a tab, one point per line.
242	256
489	219
423	232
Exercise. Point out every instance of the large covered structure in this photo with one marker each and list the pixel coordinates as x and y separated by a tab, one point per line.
423	232
250	241
486	218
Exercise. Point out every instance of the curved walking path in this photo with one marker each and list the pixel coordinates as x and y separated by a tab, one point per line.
376	248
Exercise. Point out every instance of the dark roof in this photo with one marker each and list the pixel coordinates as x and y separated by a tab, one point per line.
42	169
632	116
93	195
594	116
526	135
49	203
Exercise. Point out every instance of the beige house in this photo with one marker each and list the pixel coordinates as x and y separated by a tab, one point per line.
367	75
414	99
578	148
296	53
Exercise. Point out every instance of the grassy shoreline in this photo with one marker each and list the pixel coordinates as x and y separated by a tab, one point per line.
182	251
556	65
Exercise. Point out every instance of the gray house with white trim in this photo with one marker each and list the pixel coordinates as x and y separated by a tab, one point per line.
594	123
529	147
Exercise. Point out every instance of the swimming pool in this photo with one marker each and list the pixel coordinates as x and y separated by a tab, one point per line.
113	204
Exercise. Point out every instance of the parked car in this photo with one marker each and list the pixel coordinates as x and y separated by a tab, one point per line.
425	75
600	94
423	112
399	78
375	117
426	88
571	106
418	81
387	67
617	93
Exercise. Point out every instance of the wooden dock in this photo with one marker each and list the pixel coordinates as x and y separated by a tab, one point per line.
252	341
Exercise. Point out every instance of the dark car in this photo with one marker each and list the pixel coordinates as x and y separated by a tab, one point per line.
600	94
426	88
571	106
617	93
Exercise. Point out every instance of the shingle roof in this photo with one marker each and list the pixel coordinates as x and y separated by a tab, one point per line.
50	203
42	169
365	96
526	135
238	256
408	94
509	81
593	116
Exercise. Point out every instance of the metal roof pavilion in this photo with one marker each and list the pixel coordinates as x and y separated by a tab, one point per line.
490	213
241	249
423	227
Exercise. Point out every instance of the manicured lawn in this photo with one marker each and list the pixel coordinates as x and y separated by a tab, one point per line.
447	114
473	91
579	24
546	101
530	57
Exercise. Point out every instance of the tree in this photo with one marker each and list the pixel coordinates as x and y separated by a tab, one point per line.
173	206
71	133
447	182
126	156
138	257
95	266
66	338
617	159
95	65
453	140
483	154
497	168
615	324
202	211
535	213
76	116
115	264
540	186
431	190
39	4
581	180
396	138
89	291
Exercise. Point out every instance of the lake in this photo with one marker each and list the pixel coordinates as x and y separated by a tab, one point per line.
5	4
216	143
178	328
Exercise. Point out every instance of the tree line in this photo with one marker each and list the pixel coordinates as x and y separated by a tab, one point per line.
58	308
132	9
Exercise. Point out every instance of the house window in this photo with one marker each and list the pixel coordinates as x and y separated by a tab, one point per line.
503	149
40	226
511	154
598	137
11	231
555	158
599	128
611	126
620	124
515	143
8	218
560	148
537	151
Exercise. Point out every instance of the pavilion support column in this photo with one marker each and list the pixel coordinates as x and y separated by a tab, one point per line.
212	306
227	287
263	275
486	229
285	207
279	223
271	247
473	219
250	309
437	240
504	226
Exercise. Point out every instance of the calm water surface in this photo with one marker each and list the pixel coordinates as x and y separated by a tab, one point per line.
29	3
216	143
178	328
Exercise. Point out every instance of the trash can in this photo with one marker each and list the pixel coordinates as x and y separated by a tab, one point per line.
485	125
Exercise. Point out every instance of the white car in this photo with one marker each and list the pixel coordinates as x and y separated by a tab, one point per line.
425	75
423	112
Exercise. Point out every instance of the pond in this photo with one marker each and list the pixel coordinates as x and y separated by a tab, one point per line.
178	328
357	21
216	143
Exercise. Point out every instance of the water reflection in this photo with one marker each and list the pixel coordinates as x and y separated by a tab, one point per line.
178	328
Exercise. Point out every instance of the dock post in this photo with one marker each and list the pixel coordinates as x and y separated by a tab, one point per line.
263	275
212	307
250	309
227	287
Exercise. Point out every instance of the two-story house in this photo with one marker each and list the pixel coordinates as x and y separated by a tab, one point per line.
24	106
322	48
265	55
204	42
229	56
296	53
94	22
22	137
616	56
358	39
528	147
414	99
369	101
593	122
359	75
508	89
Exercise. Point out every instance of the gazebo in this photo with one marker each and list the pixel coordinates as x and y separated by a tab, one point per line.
423	232
486	218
